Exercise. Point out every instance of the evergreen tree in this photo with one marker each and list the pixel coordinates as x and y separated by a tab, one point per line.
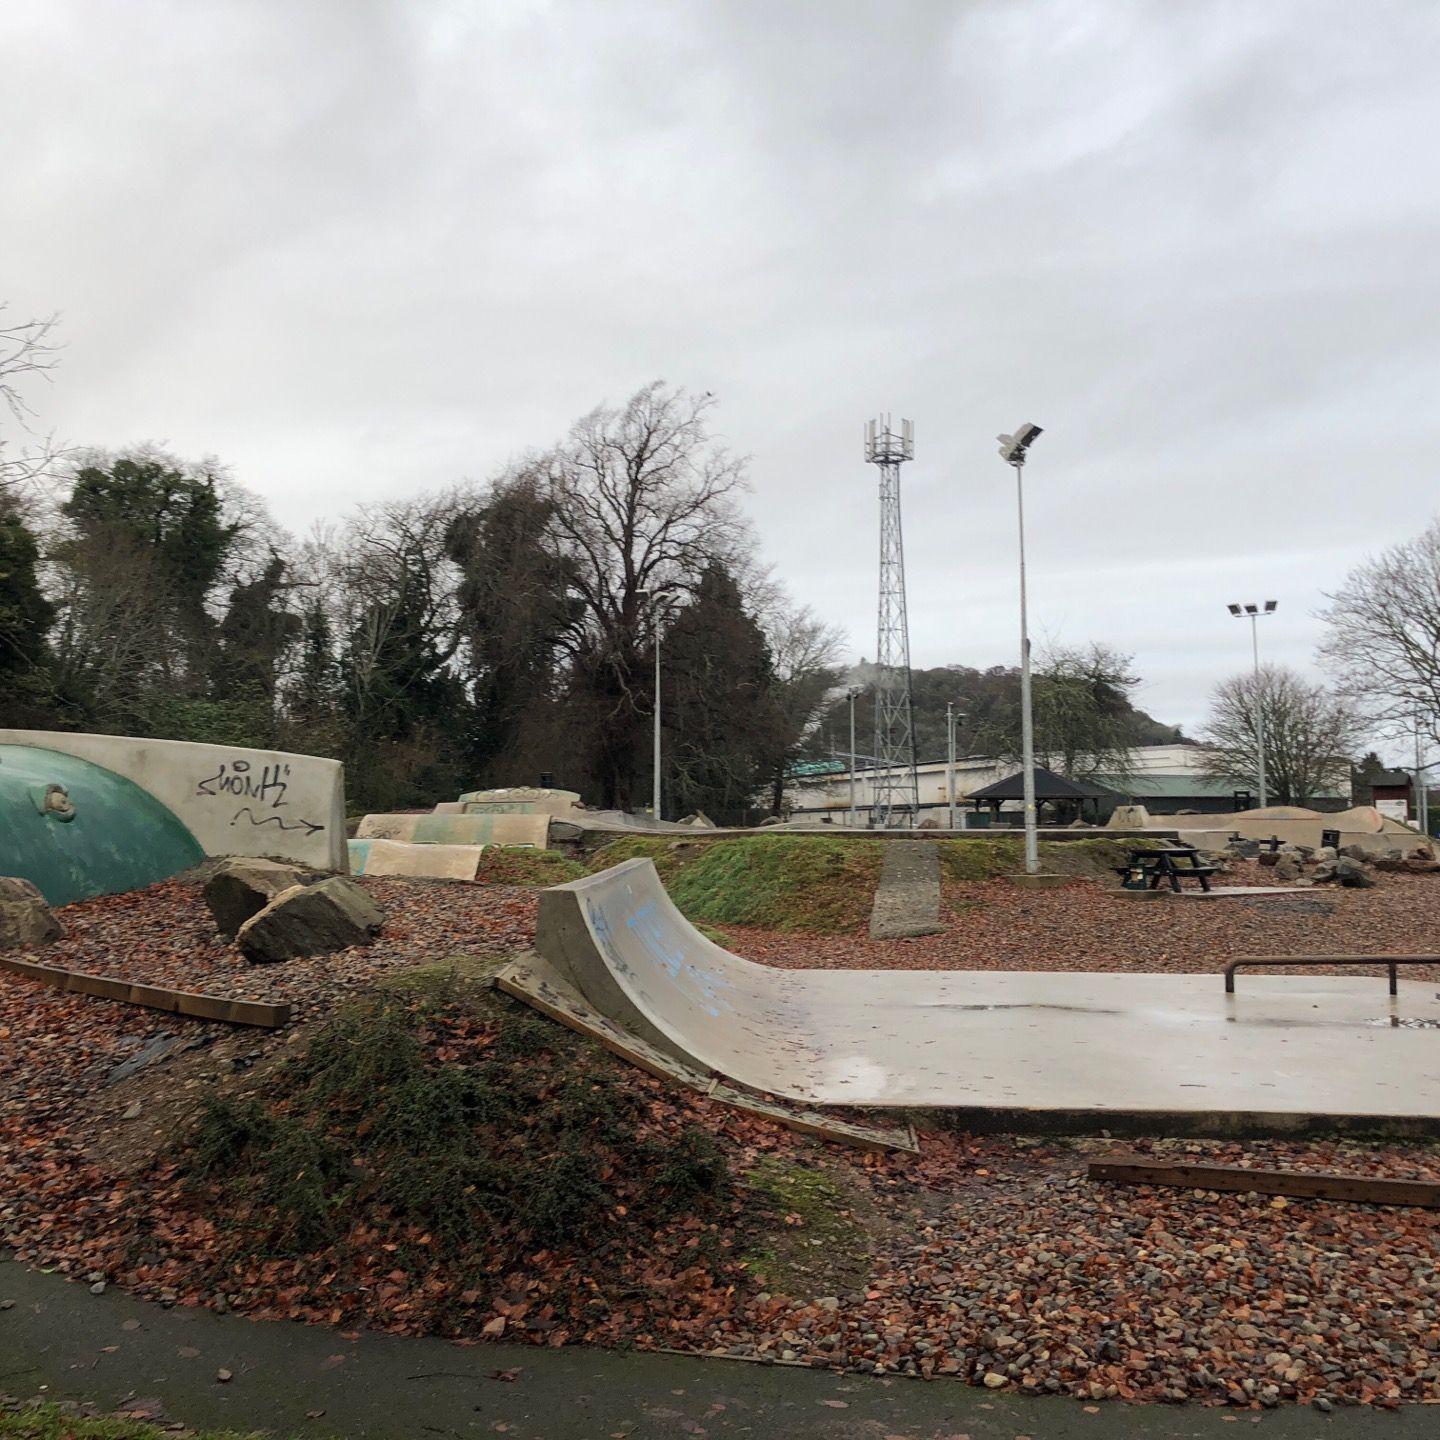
722	724
25	617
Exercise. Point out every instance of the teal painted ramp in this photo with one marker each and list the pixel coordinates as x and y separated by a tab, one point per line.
75	829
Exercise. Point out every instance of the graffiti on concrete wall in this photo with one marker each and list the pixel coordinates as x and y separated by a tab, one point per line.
264	782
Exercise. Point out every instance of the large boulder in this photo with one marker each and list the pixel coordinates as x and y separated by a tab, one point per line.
1352	874
25	918
317	919
1287	869
242	887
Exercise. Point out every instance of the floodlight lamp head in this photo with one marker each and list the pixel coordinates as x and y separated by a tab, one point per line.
1013	447
1270	606
1236	611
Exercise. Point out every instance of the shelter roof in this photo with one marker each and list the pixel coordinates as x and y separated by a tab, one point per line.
1048	786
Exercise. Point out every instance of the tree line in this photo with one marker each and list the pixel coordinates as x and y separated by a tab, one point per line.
495	633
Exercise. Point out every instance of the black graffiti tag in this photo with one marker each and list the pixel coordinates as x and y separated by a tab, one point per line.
308	826
238	779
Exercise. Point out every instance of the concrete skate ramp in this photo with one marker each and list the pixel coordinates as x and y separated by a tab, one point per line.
522	830
423	862
1281	1052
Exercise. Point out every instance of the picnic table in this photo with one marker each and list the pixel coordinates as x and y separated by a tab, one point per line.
1149	867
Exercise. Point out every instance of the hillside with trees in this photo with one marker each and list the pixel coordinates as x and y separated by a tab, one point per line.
1085	720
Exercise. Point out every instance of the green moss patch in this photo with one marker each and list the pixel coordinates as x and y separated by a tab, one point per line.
51	1422
818	1243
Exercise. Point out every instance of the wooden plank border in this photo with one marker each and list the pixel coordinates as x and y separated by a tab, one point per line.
153	997
1316	1185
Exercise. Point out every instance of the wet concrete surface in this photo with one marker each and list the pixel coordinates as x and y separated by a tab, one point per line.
60	1342
1285	1050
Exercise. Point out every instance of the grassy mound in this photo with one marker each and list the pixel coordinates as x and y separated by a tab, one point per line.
470	1136
991	856
514	866
807	883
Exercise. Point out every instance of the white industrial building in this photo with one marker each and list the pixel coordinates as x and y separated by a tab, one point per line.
1166	779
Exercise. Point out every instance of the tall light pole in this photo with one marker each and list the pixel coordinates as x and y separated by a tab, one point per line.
1254	614
1013	449
852	694
1422	786
658	611
951	716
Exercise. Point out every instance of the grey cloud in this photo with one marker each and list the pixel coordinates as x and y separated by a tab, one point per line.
360	248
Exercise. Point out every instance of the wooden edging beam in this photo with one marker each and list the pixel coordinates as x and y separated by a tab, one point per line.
154	997
1320	1185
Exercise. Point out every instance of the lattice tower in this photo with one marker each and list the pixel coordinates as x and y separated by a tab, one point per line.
896	787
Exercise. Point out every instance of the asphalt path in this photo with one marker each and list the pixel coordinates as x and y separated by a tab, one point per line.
58	1341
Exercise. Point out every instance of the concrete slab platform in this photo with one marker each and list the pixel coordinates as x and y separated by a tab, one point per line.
1282	1053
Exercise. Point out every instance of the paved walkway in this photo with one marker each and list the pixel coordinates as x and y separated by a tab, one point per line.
907	899
59	1342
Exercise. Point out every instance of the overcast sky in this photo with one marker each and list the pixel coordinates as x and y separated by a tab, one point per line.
359	249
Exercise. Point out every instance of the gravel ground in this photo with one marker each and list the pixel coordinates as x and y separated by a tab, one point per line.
991	1260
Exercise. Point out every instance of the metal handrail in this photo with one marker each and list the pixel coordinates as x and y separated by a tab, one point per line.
1279	961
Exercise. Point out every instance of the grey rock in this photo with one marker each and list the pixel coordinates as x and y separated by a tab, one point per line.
25	918
311	920
1287	869
242	887
1352	874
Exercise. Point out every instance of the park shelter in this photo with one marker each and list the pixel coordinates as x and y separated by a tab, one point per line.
1066	798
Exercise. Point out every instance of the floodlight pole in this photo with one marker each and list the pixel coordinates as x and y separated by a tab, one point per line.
950	758
1259	713
851	695
1013	449
1422	788
655	789
656	599
1254	614
1027	722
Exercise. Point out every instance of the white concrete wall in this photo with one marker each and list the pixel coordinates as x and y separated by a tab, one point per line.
234	801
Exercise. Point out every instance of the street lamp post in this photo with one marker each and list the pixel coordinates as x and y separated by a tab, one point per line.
851	695
951	716
1013	449
658	611
1254	614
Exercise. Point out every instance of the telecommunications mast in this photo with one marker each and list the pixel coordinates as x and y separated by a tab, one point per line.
895	789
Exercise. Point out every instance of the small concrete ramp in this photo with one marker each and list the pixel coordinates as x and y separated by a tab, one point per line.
1288	1054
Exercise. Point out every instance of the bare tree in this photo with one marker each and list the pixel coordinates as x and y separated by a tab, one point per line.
1084	721
1383	645
28	351
1310	735
642	498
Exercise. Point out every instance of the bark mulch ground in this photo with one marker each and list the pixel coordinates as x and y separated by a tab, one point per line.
992	1260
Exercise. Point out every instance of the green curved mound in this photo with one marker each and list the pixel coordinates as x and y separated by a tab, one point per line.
104	834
